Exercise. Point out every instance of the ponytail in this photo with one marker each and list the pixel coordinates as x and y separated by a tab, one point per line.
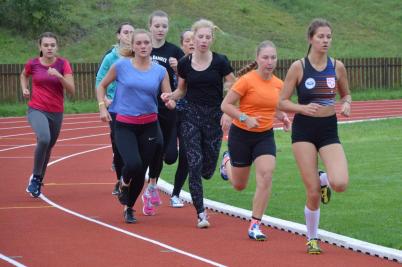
246	69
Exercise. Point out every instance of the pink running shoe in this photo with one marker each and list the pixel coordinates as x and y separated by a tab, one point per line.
148	209
155	198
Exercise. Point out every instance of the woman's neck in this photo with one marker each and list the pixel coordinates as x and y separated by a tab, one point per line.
318	60
202	56
264	75
158	43
47	60
141	63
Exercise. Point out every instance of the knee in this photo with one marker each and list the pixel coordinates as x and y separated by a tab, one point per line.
339	186
313	195
265	181
43	141
132	168
239	186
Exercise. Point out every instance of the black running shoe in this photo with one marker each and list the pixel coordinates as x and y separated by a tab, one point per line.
123	194
34	186
129	215
115	191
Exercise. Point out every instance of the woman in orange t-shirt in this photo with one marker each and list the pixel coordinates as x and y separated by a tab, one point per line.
251	136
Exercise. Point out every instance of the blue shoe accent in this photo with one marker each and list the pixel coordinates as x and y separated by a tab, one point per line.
255	233
34	186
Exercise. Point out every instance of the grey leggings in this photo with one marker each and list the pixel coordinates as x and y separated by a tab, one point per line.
46	126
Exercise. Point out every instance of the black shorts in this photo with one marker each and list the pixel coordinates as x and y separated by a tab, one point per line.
245	146
320	131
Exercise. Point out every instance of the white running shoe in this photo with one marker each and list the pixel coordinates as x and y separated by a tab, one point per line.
176	202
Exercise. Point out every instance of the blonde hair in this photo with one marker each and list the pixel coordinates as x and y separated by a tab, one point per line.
204	23
253	65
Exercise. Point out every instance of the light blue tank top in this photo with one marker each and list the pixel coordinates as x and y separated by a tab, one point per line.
136	90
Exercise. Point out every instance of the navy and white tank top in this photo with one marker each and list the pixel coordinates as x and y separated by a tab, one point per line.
317	86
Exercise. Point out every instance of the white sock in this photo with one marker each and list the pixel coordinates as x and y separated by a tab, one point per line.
312	221
152	186
324	179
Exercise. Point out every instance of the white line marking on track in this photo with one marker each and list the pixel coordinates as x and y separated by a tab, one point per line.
60	140
185	253
11	261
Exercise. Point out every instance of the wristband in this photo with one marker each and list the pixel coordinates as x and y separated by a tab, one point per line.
101	103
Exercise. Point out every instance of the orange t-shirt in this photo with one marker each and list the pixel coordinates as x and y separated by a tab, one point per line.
258	97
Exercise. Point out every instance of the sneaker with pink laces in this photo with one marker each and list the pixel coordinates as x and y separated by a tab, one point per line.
148	209
155	198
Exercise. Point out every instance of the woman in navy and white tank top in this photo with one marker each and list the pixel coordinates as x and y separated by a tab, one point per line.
317	78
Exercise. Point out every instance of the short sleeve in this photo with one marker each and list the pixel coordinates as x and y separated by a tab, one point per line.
182	67
67	67
240	86
226	68
28	67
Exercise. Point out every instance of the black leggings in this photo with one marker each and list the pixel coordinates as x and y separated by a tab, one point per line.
167	122
117	160
202	136
182	166
137	144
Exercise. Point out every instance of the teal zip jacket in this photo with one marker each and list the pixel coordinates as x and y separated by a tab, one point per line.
107	62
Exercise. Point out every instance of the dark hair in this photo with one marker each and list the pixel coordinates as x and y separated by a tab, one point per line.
253	65
312	28
157	13
46	35
123	24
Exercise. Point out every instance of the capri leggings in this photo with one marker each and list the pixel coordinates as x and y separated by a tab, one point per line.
117	160
46	126
137	144
202	135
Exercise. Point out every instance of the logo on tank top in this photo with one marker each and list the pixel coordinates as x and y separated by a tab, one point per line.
331	82
310	83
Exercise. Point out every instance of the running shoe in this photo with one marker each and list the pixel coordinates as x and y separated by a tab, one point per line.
254	232
155	198
129	215
222	169
325	191
34	186
176	202
313	247
148	209
115	191
203	220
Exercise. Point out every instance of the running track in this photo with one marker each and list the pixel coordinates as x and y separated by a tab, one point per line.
34	232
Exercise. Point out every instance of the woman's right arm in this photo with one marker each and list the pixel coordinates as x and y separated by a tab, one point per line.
101	92
24	81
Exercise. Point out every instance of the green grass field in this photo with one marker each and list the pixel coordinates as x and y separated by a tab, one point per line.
369	210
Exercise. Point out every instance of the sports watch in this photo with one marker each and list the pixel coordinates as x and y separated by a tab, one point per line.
243	117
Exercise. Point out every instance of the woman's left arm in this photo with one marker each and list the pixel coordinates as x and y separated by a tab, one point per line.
343	87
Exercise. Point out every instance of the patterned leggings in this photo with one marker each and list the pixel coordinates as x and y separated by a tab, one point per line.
202	136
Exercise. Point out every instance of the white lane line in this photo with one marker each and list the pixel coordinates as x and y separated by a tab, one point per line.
64	123
59	140
152	241
11	261
62	131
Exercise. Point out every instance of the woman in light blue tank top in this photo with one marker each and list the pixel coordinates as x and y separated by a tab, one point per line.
137	132
314	129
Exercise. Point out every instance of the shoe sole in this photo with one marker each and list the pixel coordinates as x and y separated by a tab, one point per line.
203	225
314	252
177	206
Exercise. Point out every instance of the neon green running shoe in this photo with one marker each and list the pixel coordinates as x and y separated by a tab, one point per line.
313	247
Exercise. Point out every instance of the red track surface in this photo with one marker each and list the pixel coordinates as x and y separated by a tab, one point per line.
34	233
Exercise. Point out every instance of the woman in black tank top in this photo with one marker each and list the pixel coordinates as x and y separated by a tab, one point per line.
314	130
